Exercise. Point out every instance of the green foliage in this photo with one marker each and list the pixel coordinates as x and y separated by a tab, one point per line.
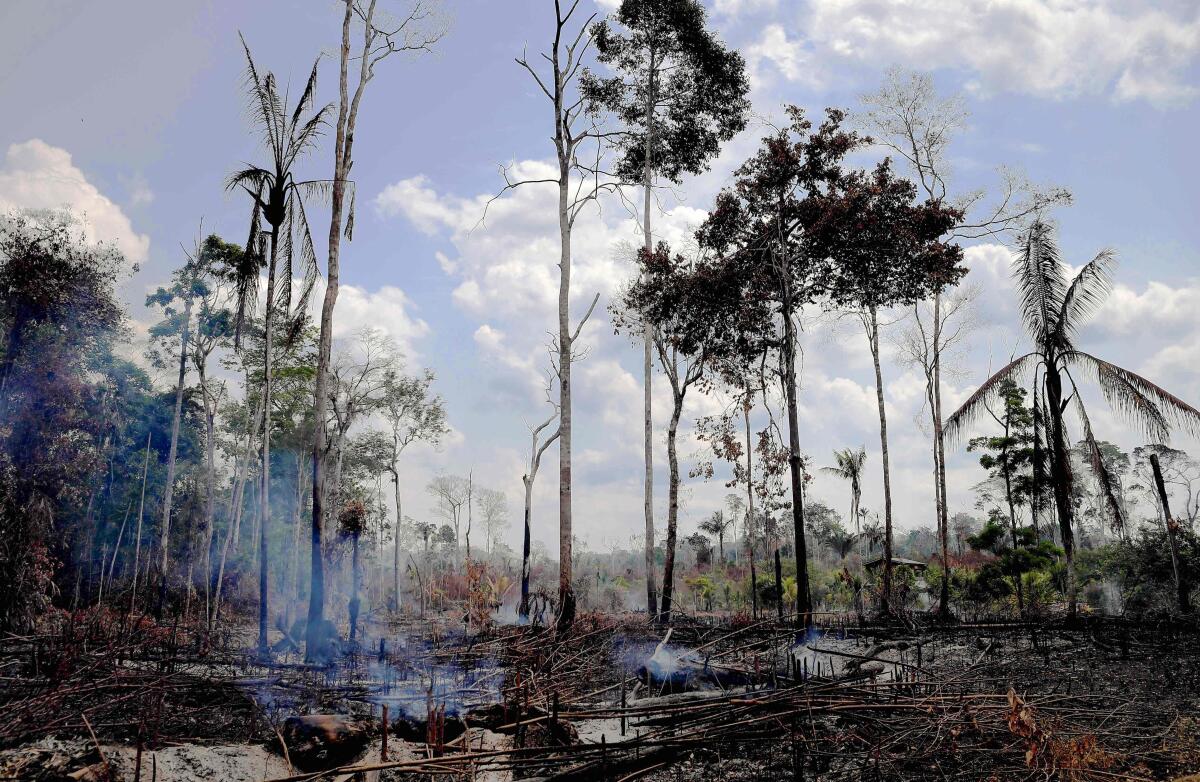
1142	568
666	61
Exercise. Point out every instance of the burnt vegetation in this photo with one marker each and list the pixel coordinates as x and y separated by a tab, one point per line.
209	567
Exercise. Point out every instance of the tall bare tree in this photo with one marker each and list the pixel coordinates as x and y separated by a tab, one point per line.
537	447
413	30
579	183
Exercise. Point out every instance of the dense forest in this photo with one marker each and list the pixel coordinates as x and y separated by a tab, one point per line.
238	476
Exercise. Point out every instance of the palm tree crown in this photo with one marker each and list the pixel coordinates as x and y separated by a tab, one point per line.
849	467
276	194
1054	306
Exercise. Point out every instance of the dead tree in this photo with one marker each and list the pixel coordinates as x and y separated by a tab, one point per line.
413	31
1172	527
536	450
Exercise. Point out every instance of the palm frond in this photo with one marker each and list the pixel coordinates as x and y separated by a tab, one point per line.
1041	280
263	101
1086	293
304	137
252	178
1099	467
1147	404
246	275
308	263
284	253
306	97
966	414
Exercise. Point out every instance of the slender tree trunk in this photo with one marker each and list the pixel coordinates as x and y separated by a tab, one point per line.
668	589
647	368
355	578
264	494
523	607
1172	526
236	506
566	589
750	506
396	539
1012	521
137	546
873	336
1061	479
939	460
169	488
112	565
470	509
210	498
341	170
778	585
803	596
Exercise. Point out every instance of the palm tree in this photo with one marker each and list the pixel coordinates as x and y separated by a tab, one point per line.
850	468
1053	307
716	524
276	197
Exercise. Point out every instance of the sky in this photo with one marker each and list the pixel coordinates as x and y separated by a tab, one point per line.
132	112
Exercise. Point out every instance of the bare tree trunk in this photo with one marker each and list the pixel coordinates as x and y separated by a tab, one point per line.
1172	527
647	369
470	509
750	506
566	590
112	565
672	504
355	578
523	606
342	144
778	585
210	498
885	600
169	489
235	508
939	458
1061	480
1012	520
137	546
803	596
396	540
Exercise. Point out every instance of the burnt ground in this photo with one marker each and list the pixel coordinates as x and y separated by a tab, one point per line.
1098	699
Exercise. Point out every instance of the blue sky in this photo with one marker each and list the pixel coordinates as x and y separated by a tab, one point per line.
133	112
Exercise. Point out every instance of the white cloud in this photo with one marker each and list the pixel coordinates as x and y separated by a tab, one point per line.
388	309
137	189
789	57
734	8
1054	48
1158	309
415	200
36	175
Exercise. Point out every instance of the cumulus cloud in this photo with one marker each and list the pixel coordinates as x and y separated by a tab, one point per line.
388	309
738	7
1053	48
789	57
36	175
